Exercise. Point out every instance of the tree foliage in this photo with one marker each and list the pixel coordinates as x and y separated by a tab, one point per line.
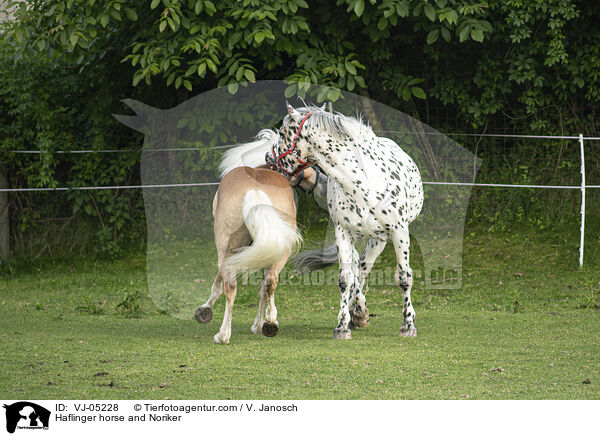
532	64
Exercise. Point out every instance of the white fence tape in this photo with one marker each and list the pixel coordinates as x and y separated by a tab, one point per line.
582	186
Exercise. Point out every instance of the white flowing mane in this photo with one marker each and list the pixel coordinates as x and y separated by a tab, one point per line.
339	126
251	154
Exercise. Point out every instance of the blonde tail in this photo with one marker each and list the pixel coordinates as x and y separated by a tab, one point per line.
273	238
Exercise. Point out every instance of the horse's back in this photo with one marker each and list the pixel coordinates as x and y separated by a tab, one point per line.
235	185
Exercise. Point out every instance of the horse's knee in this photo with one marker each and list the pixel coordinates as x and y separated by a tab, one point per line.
404	279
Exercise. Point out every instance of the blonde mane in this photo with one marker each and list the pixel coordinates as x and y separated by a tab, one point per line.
251	154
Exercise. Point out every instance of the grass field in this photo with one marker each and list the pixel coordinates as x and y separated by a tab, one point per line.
525	325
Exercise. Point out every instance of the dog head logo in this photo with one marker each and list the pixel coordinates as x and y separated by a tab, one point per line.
184	145
26	415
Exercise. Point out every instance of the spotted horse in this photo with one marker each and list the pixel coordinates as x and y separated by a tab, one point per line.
374	192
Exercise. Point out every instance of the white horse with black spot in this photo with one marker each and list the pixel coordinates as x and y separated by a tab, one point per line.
374	192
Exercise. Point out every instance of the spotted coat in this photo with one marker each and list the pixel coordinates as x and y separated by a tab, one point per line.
375	191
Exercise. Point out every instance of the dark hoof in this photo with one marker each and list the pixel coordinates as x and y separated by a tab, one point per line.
408	331
342	334
269	330
203	314
359	319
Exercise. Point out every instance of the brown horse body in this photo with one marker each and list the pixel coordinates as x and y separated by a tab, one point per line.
252	205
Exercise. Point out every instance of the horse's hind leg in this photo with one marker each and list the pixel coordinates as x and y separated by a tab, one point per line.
404	279
358	309
204	313
367	259
270	327
230	287
262	303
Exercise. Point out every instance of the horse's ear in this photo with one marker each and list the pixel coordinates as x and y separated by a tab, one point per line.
323	107
133	122
140	121
294	114
138	107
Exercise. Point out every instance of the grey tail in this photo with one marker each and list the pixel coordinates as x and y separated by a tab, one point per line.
313	260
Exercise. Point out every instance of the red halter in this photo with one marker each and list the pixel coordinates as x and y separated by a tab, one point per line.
282	155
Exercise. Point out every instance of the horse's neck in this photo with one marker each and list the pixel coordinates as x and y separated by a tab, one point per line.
334	165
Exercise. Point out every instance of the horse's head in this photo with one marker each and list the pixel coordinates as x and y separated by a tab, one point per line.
291	153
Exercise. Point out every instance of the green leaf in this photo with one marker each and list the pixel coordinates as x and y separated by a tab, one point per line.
350	84
154	4
429	12
322	94
171	23
187	84
402	8
41	44
464	33
359	7
202	69
211	65
290	91
418	92
238	74
191	70
210	8
199	6
445	34
259	36
350	68
162	26
249	74
74	39
433	36
477	35
82	43
131	14
233	87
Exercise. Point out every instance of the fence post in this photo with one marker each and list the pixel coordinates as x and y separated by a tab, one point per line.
581	242
4	217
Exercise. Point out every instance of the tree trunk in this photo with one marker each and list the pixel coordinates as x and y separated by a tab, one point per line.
4	223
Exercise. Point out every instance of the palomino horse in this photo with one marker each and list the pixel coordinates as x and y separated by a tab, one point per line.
251	206
374	192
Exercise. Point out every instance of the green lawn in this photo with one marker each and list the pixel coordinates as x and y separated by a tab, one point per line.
525	325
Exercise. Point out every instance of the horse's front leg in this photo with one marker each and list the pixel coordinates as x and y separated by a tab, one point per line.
348	280
404	279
